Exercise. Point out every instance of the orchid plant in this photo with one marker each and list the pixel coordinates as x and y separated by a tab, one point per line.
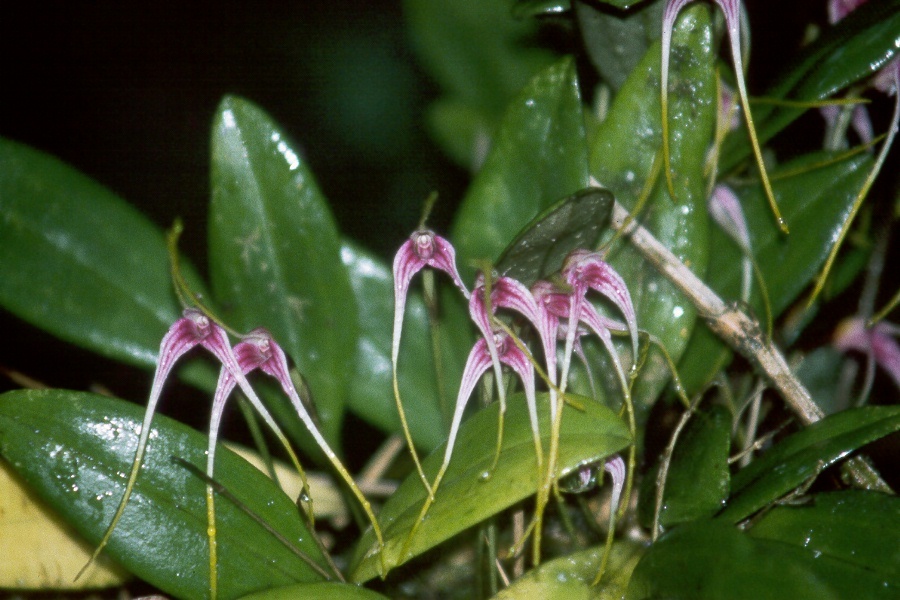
437	423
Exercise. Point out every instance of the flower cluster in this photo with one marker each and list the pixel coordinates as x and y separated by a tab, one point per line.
555	313
256	350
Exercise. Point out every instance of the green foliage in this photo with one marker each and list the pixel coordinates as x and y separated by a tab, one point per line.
87	443
536	126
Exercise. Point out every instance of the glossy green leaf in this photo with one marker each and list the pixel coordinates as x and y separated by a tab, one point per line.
815	195
538	157
857	527
699	478
523	9
713	560
371	391
75	450
275	255
855	48
481	56
80	263
616	40
571	577
801	456
318	591
465	497
541	247
622	158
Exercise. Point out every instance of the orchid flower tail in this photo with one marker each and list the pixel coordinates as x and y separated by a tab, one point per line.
186	333
615	466
479	312
731	8
477	364
673	7
406	264
275	365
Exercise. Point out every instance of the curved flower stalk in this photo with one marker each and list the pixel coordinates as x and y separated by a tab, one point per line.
423	249
731	9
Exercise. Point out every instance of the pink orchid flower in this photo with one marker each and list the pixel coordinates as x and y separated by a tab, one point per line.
878	342
423	249
585	271
725	209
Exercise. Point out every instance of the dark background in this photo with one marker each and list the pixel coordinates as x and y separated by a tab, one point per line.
126	93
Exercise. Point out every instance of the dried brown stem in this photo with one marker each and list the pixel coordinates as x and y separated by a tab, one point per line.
739	330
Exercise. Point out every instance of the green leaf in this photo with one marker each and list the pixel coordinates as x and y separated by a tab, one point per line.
80	263
481	57
712	559
523	9
699	479
815	192
275	255
801	456
571	577
75	448
465	497
855	48
318	591
541	247
371	391
857	527
616	40
622	158
538	157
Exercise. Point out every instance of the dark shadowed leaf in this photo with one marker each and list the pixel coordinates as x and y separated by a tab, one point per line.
803	455
617	40
481	56
713	560
699	478
854	526
541	247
